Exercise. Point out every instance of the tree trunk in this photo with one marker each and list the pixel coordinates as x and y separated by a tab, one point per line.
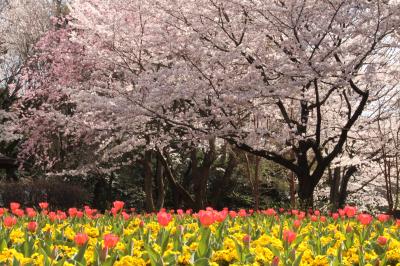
160	184
100	194
222	184
148	181
343	186
201	174
334	181
175	186
306	192
11	174
292	190
254	183
257	184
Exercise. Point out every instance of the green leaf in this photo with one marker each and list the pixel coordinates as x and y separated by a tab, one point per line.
164	241
239	250
274	250
202	262
3	245
16	262
203	250
155	258
298	259
81	253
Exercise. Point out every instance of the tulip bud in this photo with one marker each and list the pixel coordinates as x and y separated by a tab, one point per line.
382	240
275	261
32	226
246	240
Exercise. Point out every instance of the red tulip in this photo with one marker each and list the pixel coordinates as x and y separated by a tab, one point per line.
14	206
2	211
179	212
322	219
9	221
18	212
398	223
32	226
232	214
206	218
43	205
383	218
270	212
31	213
72	212
289	236
110	240
335	216
118	204
89	212
220	216
350	211
301	215
114	211
52	216
61	215
164	218
125	216
296	223
242	213
382	240
317	213
364	218
80	239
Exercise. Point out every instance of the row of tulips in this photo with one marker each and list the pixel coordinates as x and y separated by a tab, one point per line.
209	237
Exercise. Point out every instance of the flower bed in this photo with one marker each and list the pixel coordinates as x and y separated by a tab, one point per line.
209	237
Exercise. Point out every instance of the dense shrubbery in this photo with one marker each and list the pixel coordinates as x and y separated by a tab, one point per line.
58	193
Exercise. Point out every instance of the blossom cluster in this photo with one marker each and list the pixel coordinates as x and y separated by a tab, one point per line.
209	237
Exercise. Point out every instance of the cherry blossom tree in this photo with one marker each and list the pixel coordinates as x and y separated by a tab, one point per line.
269	78
22	23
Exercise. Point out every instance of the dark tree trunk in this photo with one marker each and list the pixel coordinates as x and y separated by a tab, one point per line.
306	192
343	186
338	181
148	181
11	174
222	185
174	184
100	194
201	174
160	184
